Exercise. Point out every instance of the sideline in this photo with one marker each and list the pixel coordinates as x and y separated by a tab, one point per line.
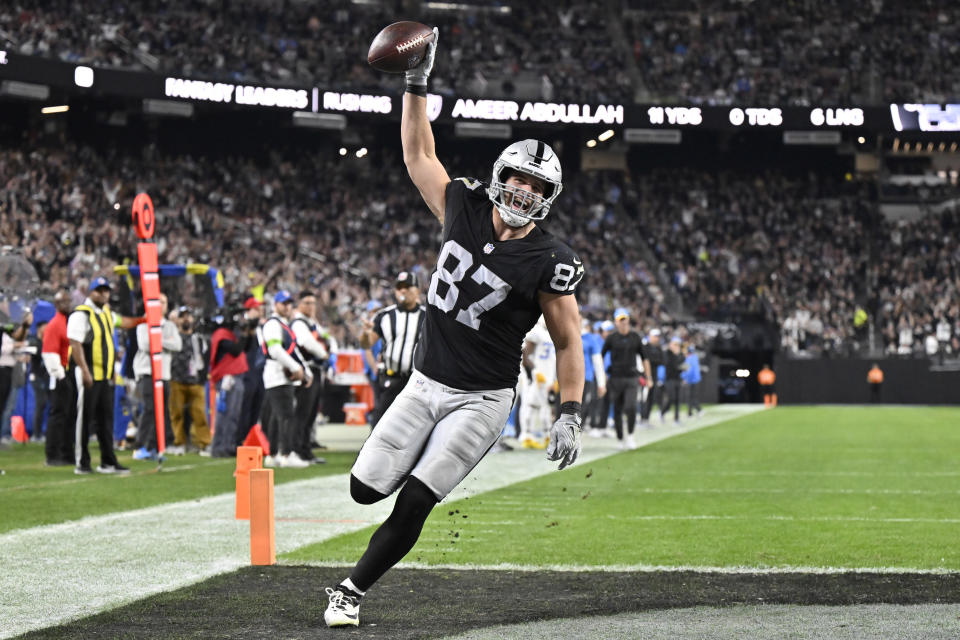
102	562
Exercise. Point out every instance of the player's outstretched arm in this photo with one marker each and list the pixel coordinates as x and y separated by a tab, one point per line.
562	316
416	136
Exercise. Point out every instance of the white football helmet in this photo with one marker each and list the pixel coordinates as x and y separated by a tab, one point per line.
518	207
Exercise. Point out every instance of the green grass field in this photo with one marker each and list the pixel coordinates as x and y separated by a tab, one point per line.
32	494
750	510
809	487
796	487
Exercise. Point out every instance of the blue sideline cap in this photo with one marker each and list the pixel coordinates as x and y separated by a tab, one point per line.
282	296
598	325
621	312
607	326
100	282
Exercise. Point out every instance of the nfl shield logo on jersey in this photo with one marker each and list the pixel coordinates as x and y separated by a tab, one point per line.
488	248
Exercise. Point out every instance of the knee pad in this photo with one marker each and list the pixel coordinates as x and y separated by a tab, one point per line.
362	494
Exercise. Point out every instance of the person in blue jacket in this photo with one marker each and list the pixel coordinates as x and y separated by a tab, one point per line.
691	376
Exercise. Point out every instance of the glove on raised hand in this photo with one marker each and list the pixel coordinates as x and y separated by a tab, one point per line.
417	77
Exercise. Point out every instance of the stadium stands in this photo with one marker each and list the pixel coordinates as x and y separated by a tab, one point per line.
803	251
702	51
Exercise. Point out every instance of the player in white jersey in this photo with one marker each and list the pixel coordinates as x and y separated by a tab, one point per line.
536	411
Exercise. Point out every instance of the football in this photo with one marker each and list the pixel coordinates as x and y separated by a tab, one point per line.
400	46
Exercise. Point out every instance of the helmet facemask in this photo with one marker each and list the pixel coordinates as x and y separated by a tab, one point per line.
517	206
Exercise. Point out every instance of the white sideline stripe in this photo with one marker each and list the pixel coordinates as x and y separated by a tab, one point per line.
654	568
102	562
75	480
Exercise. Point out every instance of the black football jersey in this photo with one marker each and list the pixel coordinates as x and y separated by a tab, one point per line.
483	295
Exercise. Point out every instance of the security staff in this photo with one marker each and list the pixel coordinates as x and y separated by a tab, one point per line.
314	348
285	369
399	327
90	331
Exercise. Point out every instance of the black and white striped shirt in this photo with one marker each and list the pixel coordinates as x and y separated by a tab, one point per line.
399	329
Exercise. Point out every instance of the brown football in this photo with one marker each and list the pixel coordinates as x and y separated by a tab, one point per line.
400	46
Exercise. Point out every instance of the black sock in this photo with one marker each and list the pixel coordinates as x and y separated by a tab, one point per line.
397	535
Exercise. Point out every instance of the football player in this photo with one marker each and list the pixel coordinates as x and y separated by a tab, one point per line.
536	413
497	272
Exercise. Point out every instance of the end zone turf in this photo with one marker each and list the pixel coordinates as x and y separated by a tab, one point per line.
288	602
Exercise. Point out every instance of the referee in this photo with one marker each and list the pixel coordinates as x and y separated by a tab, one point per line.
398	326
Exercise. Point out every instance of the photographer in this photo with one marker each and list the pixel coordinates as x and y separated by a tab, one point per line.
228	368
188	371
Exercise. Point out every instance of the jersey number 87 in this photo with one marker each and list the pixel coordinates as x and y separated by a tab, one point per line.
470	316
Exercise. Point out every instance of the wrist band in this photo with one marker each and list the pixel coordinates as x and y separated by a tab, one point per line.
571	407
417	89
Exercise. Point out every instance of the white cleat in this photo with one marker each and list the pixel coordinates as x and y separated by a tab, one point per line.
343	610
630	442
294	461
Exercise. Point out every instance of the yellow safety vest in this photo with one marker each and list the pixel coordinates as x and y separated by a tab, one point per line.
100	351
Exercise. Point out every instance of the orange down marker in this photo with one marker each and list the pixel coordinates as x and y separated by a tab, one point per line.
248	459
263	548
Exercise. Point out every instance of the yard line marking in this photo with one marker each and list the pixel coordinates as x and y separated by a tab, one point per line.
214	542
801	490
866	474
790	518
652	568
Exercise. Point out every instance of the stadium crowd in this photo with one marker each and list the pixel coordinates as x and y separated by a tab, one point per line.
704	51
298	43
811	254
273	223
799	52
